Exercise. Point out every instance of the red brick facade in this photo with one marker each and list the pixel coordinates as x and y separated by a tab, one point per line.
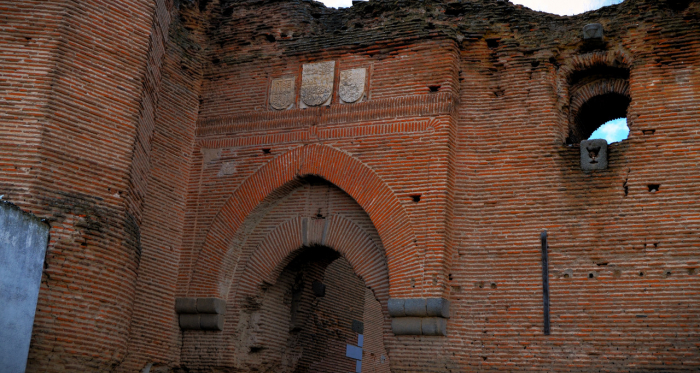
144	133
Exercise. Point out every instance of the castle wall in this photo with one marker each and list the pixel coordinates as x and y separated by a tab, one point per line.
149	136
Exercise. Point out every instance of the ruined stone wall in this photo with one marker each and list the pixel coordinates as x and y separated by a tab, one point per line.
469	106
150	137
73	82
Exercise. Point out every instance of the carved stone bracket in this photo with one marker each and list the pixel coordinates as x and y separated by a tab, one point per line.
594	155
419	316
201	313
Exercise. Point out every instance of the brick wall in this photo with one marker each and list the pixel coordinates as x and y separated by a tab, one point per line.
143	132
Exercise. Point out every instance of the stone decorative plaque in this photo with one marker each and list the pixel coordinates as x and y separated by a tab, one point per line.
593	31
352	84
594	154
282	93
317	83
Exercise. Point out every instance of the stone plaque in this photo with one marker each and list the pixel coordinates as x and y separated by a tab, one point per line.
352	84
317	83
593	31
282	93
594	154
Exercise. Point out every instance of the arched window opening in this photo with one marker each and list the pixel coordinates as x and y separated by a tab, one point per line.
599	100
599	111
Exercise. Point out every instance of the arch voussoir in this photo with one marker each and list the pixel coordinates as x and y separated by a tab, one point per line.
349	174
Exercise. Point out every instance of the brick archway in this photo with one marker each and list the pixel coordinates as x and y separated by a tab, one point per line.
336	232
349	174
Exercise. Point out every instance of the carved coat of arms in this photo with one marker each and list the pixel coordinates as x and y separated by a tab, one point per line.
352	84
317	83
282	93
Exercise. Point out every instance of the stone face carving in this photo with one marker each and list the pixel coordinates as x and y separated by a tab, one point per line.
352	84
282	93
593	31
594	155
317	83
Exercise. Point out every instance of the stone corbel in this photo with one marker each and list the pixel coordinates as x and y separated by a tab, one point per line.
201	313
419	316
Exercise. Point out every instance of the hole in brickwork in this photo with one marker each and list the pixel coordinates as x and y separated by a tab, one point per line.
668	273
648	132
679	5
434	88
255	349
415	197
554	62
492	43
653	188
566	275
454	9
270	38
535	63
480	284
227	12
449	276
203	5
266	150
641	274
691	271
493	285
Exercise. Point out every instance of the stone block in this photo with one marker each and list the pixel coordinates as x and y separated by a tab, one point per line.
210	321
593	31
396	308
189	321
406	326
436	326
211	305
594	154
415	307
438	307
186	305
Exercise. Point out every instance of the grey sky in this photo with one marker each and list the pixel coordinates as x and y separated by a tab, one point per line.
562	7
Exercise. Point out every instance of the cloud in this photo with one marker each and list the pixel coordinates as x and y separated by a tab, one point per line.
337	3
612	131
561	7
568	7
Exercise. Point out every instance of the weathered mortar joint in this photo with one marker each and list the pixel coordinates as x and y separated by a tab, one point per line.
419	316
201	313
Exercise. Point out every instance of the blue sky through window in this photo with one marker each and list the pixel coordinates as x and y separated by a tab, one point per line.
613	131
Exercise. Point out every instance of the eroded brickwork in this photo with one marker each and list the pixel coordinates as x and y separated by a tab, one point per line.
147	134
